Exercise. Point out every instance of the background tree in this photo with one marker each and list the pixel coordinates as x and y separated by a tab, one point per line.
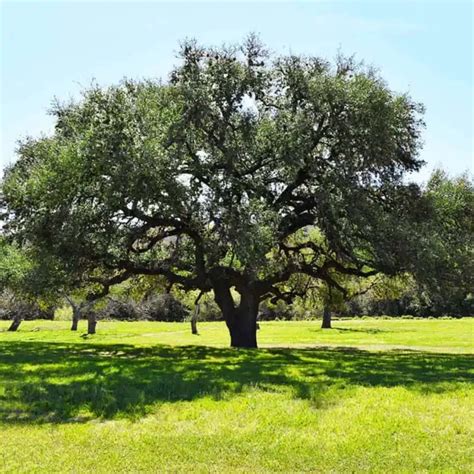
446	267
212	179
81	306
25	291
13	269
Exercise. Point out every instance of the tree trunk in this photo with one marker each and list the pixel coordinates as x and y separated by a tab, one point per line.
326	318
91	322
75	318
15	323
241	321
194	319
243	333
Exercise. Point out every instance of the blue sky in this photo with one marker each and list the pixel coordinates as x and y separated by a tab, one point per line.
53	49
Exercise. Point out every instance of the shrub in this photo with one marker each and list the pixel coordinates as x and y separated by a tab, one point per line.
11	307
277	311
209	311
123	310
163	307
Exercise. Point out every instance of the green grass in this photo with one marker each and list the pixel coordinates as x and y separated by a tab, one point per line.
369	396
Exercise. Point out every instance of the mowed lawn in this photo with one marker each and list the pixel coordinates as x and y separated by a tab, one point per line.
368	396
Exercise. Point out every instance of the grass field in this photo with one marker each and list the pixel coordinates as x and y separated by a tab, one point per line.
368	396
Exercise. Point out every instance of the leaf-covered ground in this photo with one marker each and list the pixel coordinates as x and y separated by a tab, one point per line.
369	396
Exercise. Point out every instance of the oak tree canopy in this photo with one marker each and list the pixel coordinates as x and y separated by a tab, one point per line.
216	178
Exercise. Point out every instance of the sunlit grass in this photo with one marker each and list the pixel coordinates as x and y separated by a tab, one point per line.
150	397
453	335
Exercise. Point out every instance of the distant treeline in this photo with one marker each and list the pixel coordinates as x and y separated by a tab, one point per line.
411	301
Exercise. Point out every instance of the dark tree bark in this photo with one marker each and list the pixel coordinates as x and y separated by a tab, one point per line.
91	322
194	319
76	314
197	310
243	329
15	323
326	318
242	320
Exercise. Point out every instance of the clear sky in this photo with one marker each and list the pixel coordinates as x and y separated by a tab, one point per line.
55	48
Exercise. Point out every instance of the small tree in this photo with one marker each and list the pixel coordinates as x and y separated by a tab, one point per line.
81	306
213	179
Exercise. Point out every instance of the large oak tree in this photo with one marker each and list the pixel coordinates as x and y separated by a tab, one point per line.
213	178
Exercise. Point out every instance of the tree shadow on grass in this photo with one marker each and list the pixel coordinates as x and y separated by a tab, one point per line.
363	330
57	382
